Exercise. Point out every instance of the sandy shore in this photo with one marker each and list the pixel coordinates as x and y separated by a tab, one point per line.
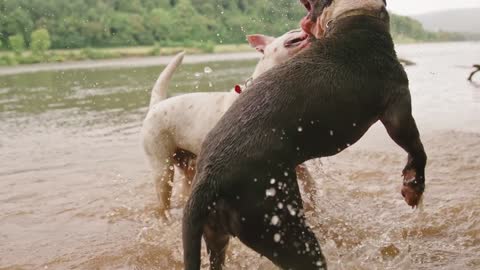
127	62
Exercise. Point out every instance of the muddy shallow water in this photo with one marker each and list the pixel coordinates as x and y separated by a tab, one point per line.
75	189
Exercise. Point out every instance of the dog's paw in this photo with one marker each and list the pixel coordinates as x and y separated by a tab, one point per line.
412	189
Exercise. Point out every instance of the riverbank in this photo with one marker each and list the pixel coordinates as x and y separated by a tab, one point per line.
128	62
8	58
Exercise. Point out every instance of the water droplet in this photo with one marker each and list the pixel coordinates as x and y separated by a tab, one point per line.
277	237
331	132
198	74
285	173
354	124
275	220
255	180
270	192
210	84
280	205
272	181
207	70
291	210
300	129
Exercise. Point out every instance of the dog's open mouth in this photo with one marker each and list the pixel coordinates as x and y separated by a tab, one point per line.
306	23
296	41
307	5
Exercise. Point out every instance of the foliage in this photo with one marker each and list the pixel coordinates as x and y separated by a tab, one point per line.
40	41
17	43
107	23
7	60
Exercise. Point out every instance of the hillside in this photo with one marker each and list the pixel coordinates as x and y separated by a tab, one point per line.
460	20
195	23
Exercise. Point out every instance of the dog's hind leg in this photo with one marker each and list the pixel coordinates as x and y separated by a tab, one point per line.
186	162
164	186
276	227
160	154
217	244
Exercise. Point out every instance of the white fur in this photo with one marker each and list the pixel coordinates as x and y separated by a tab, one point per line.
182	122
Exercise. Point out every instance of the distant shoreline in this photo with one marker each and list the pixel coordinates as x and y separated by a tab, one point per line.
127	62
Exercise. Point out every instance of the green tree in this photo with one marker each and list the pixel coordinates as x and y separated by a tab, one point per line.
97	23
40	41
159	22
17	43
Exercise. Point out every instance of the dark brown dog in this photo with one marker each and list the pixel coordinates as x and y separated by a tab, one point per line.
317	104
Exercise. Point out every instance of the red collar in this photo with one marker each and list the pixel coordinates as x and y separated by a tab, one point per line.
239	89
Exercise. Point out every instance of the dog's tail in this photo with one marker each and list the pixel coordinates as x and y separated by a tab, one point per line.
194	220
159	91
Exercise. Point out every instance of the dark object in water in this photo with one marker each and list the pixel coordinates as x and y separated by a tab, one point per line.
475	71
406	62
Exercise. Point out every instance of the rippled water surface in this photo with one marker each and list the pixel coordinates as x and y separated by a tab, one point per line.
75	189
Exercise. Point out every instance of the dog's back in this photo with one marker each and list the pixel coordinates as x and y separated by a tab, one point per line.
296	104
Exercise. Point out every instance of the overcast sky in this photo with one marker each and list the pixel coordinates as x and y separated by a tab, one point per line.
408	7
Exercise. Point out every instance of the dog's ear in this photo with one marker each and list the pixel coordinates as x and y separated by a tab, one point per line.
259	42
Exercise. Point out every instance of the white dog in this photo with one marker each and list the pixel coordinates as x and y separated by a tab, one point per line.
175	128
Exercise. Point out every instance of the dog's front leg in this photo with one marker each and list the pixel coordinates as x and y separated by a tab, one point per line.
401	127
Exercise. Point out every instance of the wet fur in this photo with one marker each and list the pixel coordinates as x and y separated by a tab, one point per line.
175	128
343	84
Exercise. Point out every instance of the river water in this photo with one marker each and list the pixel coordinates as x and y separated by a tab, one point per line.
76	192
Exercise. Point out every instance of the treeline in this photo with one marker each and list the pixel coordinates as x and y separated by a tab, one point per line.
407	29
112	23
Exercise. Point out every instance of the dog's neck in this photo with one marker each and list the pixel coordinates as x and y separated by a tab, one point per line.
355	39
262	66
378	21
